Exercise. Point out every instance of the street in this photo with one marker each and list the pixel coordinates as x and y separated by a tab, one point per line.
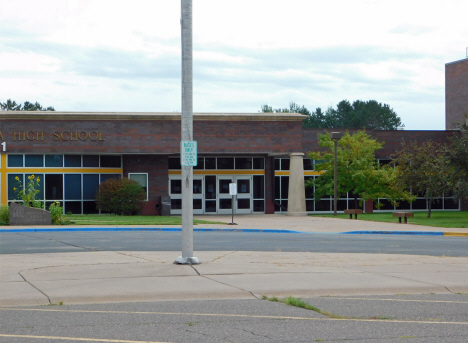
377	319
43	242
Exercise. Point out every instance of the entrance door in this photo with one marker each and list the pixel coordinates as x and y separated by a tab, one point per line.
244	194
224	198
197	195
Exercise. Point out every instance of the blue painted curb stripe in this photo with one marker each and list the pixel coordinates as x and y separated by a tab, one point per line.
87	229
170	229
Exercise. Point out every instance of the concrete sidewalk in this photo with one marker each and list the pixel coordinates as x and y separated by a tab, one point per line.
90	277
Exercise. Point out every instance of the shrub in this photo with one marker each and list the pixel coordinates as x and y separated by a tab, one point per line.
120	196
56	214
4	215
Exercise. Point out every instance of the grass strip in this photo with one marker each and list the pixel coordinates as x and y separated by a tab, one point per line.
106	219
446	219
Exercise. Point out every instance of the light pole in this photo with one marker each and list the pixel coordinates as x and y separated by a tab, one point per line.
187	134
335	137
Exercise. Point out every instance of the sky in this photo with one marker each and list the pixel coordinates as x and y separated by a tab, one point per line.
126	55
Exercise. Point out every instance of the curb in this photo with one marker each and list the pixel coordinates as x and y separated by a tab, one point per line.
167	229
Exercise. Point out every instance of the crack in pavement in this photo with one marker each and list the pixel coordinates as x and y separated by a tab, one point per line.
48	298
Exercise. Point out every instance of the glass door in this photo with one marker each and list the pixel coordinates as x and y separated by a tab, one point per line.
224	198
210	194
244	194
197	195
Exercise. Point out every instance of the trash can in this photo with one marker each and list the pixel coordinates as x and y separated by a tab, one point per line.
165	206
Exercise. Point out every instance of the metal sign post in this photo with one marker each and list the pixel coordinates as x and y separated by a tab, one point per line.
233	192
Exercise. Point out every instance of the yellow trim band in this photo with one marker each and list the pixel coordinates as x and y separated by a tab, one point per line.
3	181
64	170
221	172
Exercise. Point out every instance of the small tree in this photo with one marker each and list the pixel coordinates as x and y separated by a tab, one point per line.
424	169
358	171
120	196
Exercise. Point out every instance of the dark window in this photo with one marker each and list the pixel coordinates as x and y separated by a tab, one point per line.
284	187
224	186
176	204
111	161
259	205
243	204
54	186
176	187
15	160
310	205
243	162
197	186
277	187
210	190
450	204
225	163
225	204
277	164
258	187
200	163
385	204
89	207
73	187
258	163
403	205
210	163
322	205
34	161
54	160
309	191
197	204
72	160
174	163
73	206
308	164
243	186
90	161
285	164
419	204
342	205
210	206
90	187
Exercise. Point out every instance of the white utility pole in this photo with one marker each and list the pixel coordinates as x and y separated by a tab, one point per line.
187	134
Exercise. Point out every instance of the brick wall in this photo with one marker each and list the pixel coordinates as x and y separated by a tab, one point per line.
392	139
148	136
456	93
156	167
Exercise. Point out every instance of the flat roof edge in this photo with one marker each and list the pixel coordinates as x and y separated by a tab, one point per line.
60	115
463	59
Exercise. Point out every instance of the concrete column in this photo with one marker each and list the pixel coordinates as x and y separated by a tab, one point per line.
296	198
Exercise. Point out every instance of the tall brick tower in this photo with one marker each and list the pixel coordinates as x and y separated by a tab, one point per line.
456	93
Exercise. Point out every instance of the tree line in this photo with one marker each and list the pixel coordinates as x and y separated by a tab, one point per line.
370	115
10	105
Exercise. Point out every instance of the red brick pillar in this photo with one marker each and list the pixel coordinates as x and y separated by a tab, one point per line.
369	206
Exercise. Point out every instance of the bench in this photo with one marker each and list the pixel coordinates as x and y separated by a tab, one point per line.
405	215
351	212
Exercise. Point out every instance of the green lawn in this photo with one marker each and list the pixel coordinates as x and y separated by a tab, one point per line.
438	218
96	219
